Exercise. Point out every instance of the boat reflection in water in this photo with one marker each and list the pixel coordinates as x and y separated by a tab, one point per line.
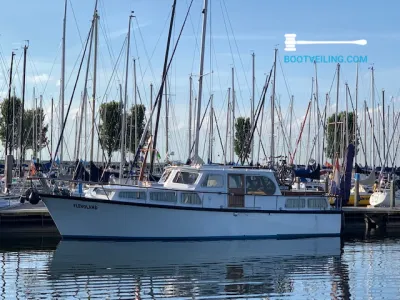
192	269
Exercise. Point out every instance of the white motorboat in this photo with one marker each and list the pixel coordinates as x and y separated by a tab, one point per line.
204	202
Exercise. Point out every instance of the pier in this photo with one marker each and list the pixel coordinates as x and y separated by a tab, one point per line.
27	218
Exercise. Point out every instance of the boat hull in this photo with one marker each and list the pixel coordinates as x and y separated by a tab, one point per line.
380	199
98	219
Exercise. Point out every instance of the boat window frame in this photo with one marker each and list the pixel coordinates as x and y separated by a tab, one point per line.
179	172
264	192
206	176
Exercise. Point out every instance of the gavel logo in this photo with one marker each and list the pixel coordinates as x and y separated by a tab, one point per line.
290	42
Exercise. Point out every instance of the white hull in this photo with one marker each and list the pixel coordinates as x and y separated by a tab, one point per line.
85	218
106	257
380	199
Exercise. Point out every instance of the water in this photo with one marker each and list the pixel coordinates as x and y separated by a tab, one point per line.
324	268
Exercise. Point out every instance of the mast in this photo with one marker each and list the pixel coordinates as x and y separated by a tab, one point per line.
316	109
136	105
62	81
21	120
33	121
252	103
84	98
159	95
290	124
336	115
190	116
273	110
365	131
210	151
8	140
355	118
51	128
123	131
40	126
346	125
373	115
166	118
383	124
151	108
199	98
96	37
228	118
233	118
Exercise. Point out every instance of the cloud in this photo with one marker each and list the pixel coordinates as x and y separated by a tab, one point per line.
123	31
42	78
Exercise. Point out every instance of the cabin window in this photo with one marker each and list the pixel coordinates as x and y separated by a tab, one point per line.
213	181
317	203
295	203
185	177
260	185
102	191
163	196
190	198
165	176
132	195
235	181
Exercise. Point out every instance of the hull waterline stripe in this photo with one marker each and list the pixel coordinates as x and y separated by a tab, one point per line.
205	238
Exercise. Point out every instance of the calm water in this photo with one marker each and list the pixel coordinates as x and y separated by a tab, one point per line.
327	268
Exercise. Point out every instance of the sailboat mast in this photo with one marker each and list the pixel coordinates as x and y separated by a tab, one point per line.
211	137
21	120
62	81
272	150
233	118
383	124
166	118
228	117
190	116
136	105
253	95
355	118
84	98
8	140
373	115
336	115
347	116
123	126
96	37
199	97
51	128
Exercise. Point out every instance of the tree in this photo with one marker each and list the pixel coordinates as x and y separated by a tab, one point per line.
242	130
340	134
130	132
14	108
110	128
35	140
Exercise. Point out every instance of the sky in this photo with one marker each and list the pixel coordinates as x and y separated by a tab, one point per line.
235	30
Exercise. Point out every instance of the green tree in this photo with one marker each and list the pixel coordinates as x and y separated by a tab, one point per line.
130	132
340	134
14	108
110	128
242	130
34	140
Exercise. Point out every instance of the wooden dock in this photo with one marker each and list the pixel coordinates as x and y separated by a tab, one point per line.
27	218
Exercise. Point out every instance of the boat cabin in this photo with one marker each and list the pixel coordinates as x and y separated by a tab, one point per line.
213	187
